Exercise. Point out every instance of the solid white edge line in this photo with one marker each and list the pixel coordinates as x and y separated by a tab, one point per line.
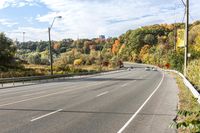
102	94
46	115
135	114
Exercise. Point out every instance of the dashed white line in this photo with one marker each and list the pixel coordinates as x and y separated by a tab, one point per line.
46	115
124	85
135	114
102	94
34	93
47	95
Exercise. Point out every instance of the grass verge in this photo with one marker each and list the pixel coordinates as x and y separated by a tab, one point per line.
188	116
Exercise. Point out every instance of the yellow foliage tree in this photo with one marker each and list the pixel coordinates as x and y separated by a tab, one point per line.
78	62
144	53
197	43
121	48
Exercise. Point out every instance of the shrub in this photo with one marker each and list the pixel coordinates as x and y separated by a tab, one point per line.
78	62
193	72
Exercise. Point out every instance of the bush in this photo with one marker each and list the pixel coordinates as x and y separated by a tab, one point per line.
188	116
3	68
44	61
193	72
34	58
78	62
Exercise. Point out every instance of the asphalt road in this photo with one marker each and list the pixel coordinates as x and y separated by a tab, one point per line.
135	101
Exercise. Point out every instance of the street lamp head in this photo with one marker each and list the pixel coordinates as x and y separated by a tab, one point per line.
54	20
59	17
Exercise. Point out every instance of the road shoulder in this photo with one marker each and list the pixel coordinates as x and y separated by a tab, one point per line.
159	112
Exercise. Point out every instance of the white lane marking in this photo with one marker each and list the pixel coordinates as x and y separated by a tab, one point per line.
34	93
46	115
24	91
135	114
10	92
124	85
50	94
102	94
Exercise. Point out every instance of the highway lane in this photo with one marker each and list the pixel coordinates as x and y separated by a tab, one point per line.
21	92
96	104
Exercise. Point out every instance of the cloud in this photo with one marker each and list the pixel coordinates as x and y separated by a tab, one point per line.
16	3
7	22
90	18
5	3
31	33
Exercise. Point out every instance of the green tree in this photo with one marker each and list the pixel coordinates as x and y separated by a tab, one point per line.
7	50
150	39
34	58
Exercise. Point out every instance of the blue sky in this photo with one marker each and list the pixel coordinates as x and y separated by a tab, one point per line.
87	18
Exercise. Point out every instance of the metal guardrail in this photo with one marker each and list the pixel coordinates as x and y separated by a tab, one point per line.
34	78
188	84
14	80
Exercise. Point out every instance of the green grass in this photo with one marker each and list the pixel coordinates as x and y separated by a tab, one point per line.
188	116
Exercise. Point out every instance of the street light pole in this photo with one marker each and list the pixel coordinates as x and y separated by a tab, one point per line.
23	37
50	50
50	47
186	37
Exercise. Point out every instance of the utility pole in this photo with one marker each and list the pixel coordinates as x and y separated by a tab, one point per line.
23	37
175	29
175	35
186	37
50	50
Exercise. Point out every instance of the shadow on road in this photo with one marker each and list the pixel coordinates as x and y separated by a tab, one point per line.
67	111
85	112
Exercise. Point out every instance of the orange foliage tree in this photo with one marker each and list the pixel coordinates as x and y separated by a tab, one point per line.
115	47
56	46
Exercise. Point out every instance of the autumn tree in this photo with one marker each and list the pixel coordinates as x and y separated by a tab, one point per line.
115	47
144	53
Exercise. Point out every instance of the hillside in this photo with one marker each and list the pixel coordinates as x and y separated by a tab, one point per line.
158	44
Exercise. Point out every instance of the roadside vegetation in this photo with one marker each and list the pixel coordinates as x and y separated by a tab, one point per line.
188	118
159	44
193	72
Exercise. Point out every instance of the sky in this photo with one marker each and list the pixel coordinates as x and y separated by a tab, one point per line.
86	18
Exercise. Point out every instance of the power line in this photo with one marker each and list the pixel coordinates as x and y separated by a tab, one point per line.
183	3
183	16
